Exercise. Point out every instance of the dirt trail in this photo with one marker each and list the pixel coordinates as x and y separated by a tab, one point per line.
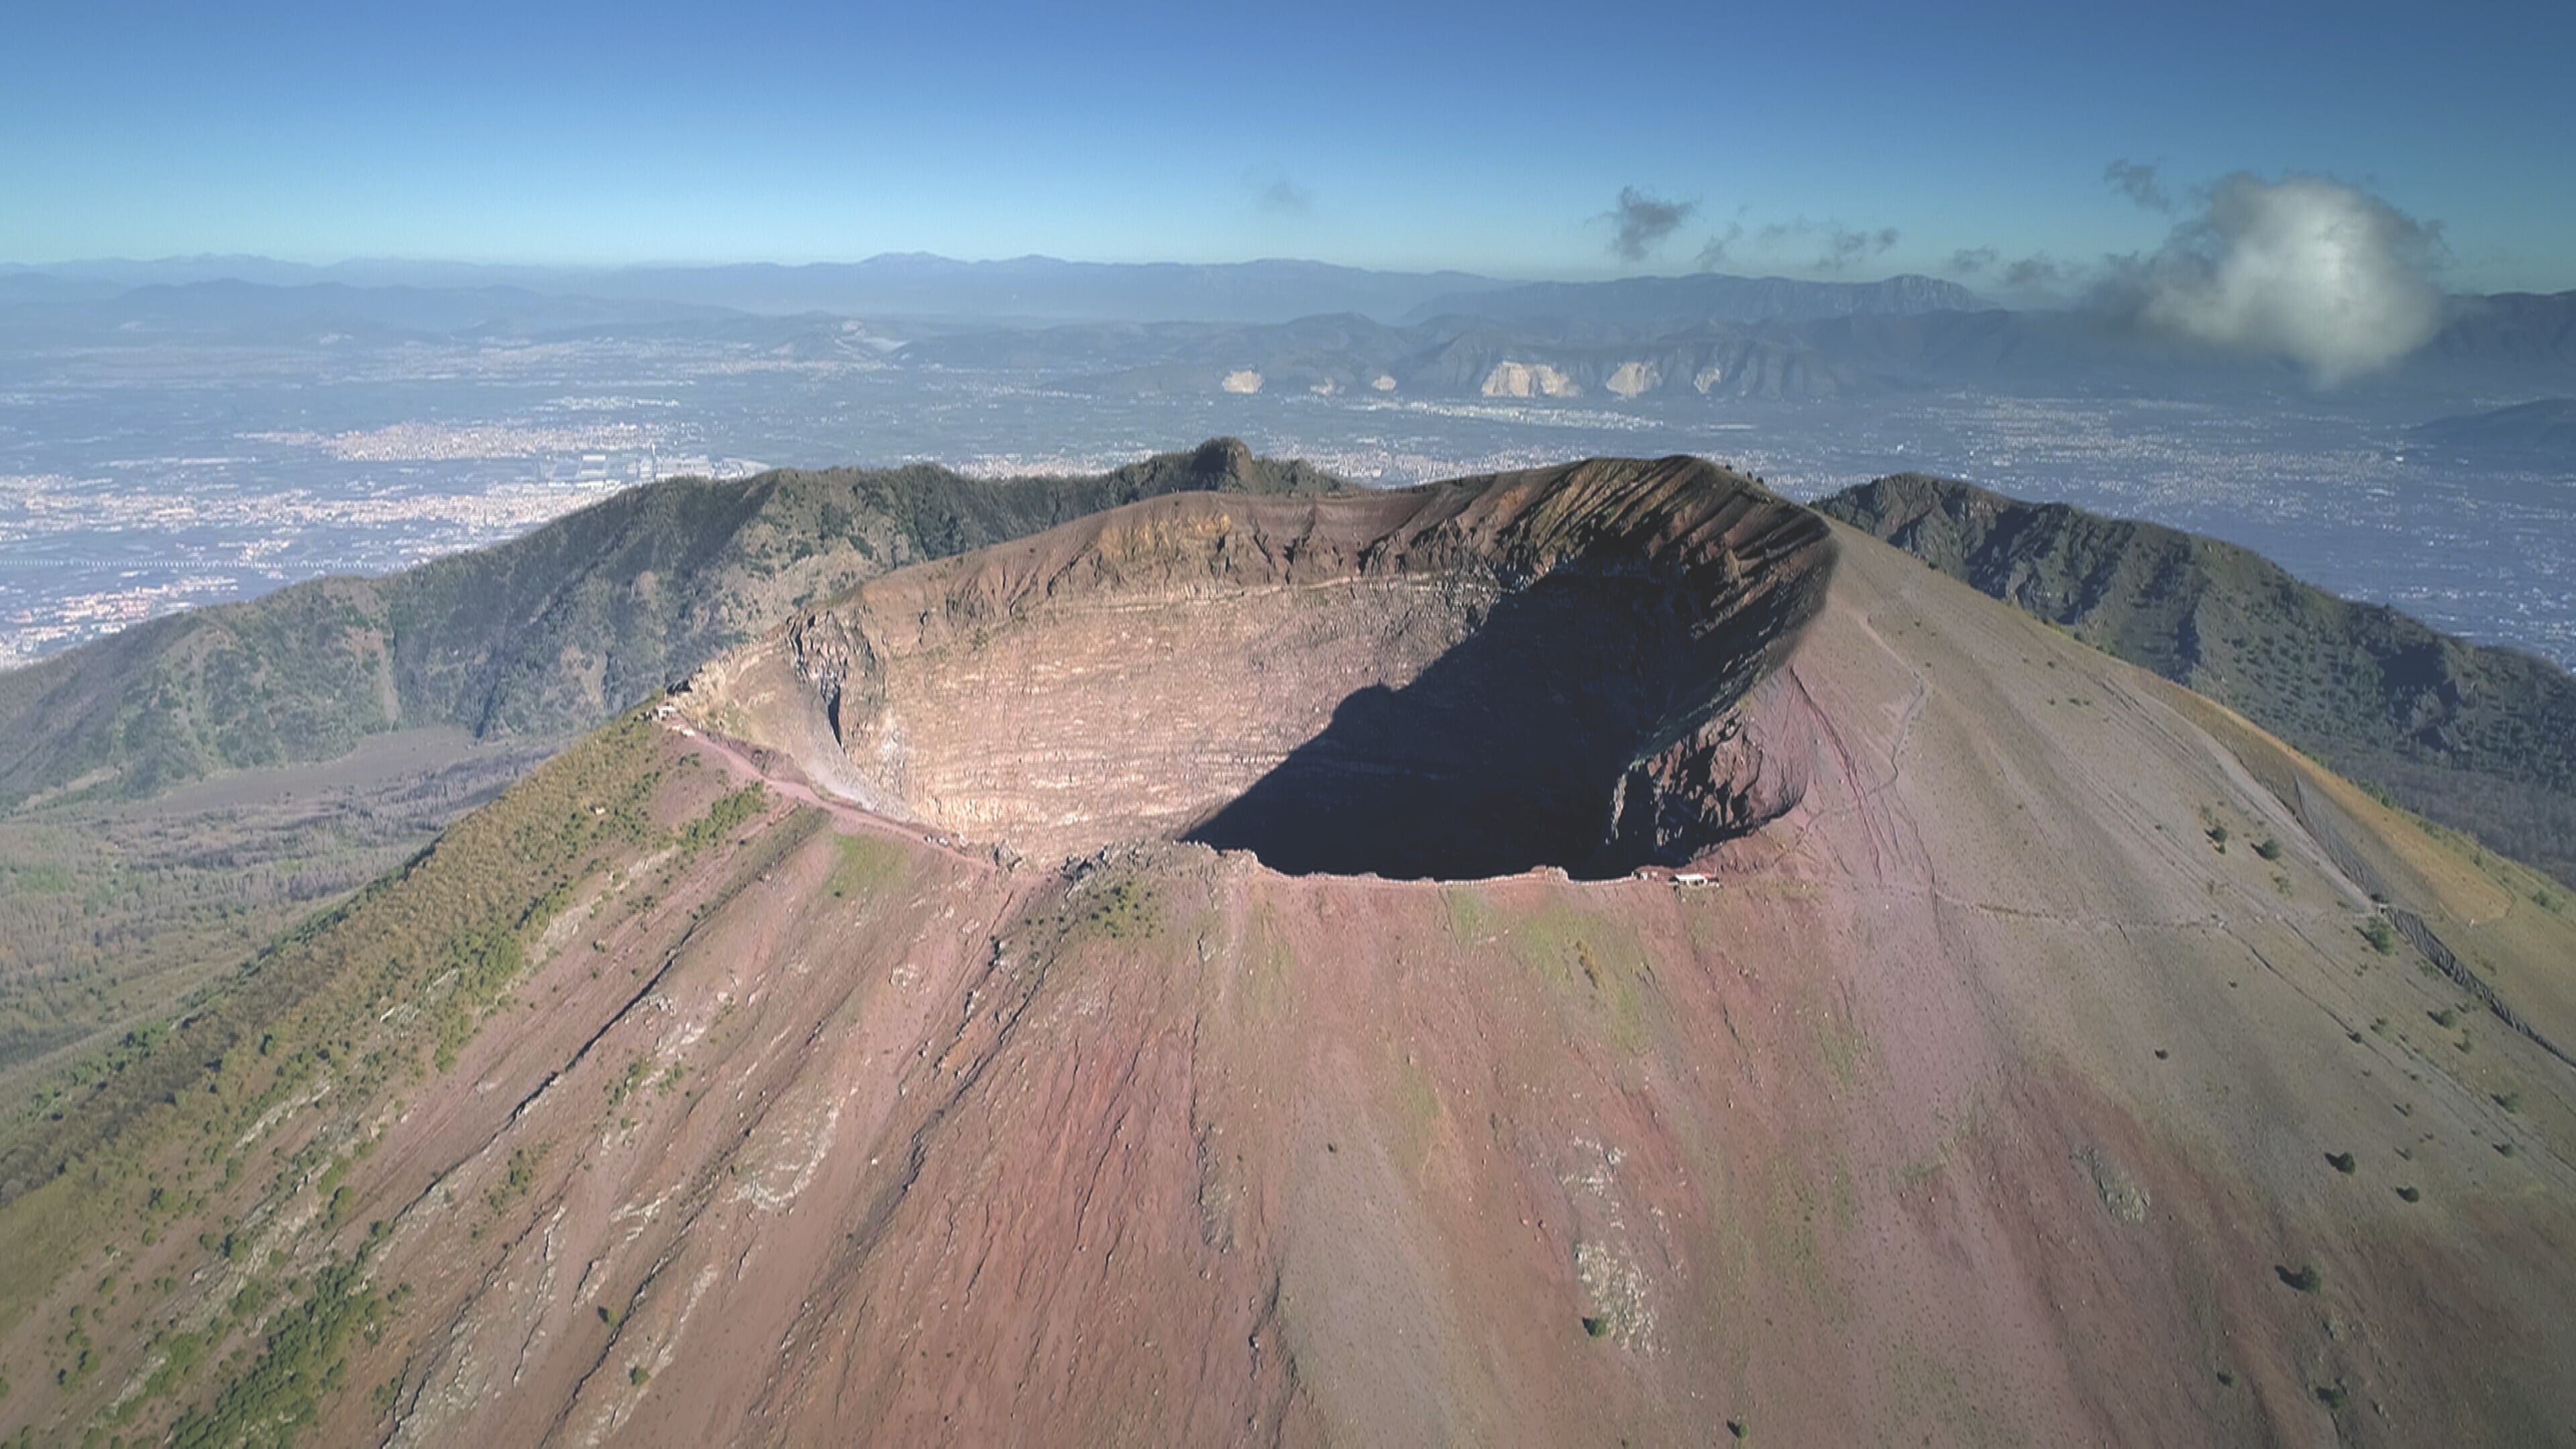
738	761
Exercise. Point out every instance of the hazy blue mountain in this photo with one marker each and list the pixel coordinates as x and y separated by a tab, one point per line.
2502	337
1649	336
1657	305
1047	289
2541	432
907	284
20	285
122	273
1163	327
251	311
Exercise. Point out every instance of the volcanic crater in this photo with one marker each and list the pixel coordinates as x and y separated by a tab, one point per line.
1993	1100
1457	681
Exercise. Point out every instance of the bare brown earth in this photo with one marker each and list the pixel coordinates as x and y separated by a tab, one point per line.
1980	1097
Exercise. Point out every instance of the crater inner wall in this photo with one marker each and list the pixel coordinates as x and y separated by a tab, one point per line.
1457	681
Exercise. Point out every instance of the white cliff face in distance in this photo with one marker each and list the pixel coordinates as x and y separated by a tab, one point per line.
1528	379
1633	379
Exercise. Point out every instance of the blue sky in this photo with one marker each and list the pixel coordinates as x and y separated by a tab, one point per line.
1493	137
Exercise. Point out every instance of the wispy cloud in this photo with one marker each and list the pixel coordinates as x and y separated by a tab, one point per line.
1278	194
1816	246
1845	247
2037	272
2037	278
2138	181
1718	250
1640	223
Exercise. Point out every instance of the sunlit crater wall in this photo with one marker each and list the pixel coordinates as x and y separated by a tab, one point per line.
1461	680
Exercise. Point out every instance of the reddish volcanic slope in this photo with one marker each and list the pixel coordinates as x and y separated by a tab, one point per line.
1995	1087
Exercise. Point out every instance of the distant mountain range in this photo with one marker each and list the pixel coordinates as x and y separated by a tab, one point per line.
894	285
1568	352
917	288
1659	305
1280	326
238	311
2540	432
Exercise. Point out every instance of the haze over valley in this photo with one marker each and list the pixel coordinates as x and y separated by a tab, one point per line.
174	443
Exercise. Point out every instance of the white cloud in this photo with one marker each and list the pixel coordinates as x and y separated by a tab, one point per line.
2303	267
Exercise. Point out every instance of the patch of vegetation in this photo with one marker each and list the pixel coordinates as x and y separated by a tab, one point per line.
2381	935
2268	848
477	967
726	815
2333	1396
2218	836
637	1069
864	865
2343	1162
159	903
125	1143
300	1362
516	1181
2409	1194
1472	917
2510	1101
2304	1278
1123	910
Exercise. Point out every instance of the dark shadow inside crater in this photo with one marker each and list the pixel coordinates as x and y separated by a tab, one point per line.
1511	750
